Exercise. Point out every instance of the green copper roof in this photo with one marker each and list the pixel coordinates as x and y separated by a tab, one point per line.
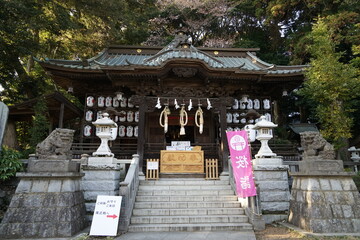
178	49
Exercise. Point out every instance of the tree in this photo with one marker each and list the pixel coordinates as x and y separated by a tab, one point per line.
40	124
206	22
331	84
61	29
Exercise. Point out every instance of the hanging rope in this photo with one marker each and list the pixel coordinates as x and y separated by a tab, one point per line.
183	119
164	118
200	123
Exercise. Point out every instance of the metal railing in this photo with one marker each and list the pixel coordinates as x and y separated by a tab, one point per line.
128	189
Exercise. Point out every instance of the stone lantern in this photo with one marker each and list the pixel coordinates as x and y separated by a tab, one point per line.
355	157
264	134
105	132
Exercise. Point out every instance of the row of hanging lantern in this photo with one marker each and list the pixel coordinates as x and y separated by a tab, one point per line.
101	101
199	118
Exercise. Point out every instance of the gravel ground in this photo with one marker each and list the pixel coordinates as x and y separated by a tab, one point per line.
277	231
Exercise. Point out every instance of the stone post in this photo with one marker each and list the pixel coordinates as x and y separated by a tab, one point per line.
271	176
4	112
324	198
102	172
102	177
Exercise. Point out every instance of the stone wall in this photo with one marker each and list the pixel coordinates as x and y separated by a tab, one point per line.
44	206
7	190
325	204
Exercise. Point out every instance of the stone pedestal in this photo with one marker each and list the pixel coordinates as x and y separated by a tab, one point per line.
102	177
325	203
324	198
271	177
45	205
49	166
313	165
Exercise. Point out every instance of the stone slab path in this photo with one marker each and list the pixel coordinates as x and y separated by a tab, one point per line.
227	235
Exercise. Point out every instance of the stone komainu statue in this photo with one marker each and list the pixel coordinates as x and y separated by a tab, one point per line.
315	146
57	145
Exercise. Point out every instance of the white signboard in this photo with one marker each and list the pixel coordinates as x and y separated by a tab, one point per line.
180	143
152	165
106	216
170	148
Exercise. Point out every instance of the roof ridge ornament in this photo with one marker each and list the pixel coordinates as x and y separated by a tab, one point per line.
272	67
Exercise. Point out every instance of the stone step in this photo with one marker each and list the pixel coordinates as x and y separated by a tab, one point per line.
182	182
190	227
184	187
184	192
187	205
187	211
181	219
167	205
184	198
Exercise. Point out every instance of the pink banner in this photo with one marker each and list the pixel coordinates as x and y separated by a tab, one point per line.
241	163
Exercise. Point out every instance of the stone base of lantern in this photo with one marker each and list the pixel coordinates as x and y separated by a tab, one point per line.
102	177
272	181
273	161
102	161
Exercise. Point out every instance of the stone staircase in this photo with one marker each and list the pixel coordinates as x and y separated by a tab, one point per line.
187	204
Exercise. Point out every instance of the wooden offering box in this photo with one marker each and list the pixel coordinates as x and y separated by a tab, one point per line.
182	161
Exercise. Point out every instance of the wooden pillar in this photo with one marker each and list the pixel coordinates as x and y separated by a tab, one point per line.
141	137
61	116
223	146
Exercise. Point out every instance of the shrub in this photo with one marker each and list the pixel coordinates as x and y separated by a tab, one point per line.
9	163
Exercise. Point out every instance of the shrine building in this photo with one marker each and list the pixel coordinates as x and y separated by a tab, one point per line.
164	97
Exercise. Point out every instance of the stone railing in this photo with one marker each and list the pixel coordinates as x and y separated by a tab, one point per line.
250	204
128	189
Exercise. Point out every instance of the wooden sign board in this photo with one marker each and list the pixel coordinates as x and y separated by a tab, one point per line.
106	216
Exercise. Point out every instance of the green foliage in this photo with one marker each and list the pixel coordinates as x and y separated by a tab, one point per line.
356	179
40	125
61	29
9	163
281	133
72	98
87	237
22	134
331	84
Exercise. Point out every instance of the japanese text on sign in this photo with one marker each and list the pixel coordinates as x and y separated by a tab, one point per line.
241	163
106	216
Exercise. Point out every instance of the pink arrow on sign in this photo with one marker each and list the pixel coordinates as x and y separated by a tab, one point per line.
111	216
